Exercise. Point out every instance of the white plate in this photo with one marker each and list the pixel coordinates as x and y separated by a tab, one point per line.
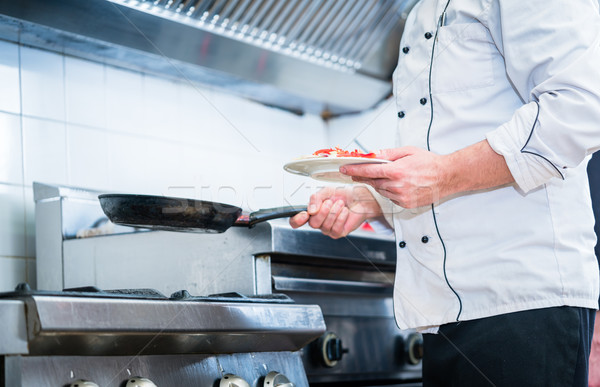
327	168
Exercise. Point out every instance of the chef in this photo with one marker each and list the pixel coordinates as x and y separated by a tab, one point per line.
498	105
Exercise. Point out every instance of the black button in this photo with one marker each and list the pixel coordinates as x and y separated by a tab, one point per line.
402	244
401	114
428	35
425	239
423	101
406	50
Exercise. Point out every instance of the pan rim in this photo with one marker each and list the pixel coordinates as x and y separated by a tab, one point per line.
155	197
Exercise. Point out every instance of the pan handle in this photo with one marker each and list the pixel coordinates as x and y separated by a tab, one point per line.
274	213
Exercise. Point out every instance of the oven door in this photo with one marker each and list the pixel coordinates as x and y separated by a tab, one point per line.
362	344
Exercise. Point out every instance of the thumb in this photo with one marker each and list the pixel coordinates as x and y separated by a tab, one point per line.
395	153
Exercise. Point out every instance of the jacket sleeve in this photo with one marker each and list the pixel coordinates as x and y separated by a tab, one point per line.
552	53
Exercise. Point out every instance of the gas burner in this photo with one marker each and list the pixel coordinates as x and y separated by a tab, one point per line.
23	289
275	298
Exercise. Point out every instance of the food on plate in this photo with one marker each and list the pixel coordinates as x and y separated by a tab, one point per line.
339	152
325	164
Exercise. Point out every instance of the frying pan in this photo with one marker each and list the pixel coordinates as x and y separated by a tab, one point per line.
180	214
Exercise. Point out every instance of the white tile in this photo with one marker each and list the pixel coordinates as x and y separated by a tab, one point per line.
166	164
196	114
214	176
374	129
284	135
232	129
12	221
201	164
310	131
44	148
124	102
161	107
85	92
87	157
262	188
249	143
257	130
10	96
127	163
13	271
11	159
42	84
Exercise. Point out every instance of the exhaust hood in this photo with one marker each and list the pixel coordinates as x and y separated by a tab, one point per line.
328	57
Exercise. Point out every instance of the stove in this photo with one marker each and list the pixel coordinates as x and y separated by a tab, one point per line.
140	337
350	280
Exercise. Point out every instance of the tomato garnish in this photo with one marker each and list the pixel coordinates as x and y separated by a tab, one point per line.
321	151
339	152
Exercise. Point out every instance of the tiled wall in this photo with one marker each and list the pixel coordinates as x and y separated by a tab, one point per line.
373	129
68	121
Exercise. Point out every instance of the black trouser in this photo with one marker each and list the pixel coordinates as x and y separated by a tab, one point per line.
542	347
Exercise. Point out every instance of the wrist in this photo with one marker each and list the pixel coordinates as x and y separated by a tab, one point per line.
451	180
475	167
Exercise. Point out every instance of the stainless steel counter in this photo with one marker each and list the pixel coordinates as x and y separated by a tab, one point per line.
104	326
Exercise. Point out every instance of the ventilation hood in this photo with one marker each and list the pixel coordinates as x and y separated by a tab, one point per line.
321	56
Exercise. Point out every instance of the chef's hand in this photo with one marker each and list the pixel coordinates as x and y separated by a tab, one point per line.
417	177
414	178
338	211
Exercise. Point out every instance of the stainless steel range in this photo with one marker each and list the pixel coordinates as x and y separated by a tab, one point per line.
87	337
350	279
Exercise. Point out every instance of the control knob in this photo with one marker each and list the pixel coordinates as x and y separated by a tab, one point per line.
275	379
230	380
330	349
138	381
414	348
83	383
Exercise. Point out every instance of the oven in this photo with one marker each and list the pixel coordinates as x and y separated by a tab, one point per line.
350	280
142	338
362	345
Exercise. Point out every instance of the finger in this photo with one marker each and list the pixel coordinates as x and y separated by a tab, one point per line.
355	219
332	216
299	219
337	230
395	153
317	219
373	171
316	200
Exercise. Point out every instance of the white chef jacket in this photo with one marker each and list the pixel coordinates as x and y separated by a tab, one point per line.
524	75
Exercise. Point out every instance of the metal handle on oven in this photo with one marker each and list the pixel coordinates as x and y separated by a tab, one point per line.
330	286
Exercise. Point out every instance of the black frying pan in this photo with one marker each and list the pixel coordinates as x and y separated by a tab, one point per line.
178	214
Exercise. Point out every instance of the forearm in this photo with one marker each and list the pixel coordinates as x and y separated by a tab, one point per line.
417	177
472	168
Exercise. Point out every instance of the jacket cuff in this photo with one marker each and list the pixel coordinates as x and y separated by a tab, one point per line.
529	168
